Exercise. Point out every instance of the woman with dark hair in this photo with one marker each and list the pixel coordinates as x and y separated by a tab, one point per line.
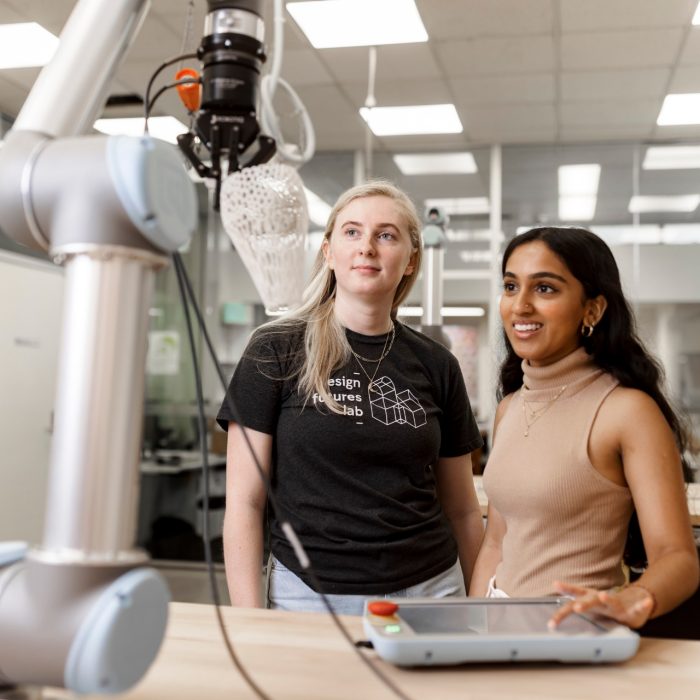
583	439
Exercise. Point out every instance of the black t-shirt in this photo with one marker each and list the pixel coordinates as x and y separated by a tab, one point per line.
359	488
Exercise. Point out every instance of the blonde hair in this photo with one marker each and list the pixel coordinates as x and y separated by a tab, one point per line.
325	343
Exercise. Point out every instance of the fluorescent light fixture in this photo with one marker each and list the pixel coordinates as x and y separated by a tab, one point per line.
684	203
446	312
164	128
460	206
696	16
435	163
646	234
475	256
680	234
335	23
650	234
465	235
680	109
672	158
577	208
577	180
414	119
26	44
578	191
319	209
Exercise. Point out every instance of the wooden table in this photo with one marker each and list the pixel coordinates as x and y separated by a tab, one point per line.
301	656
693	495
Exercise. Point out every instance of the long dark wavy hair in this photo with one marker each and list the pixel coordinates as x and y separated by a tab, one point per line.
614	345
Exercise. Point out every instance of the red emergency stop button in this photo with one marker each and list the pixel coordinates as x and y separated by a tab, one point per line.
383	608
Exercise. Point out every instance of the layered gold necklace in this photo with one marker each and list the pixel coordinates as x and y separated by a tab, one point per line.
388	343
532	415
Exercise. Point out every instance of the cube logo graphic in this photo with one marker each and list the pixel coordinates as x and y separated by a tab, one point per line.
389	406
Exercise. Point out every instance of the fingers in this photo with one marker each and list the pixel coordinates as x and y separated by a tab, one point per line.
612	605
562	612
591	600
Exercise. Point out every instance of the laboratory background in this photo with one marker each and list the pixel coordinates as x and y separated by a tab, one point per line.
504	114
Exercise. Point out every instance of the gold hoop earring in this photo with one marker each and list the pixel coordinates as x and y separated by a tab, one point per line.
587	331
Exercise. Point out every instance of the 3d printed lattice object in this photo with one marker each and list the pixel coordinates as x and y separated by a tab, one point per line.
264	213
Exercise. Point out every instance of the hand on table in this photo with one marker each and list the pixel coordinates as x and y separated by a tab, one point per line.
630	606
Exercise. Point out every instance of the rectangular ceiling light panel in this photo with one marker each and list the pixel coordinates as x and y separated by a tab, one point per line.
577	208
435	163
336	23
579	180
460	206
578	191
164	128
415	119
26	44
683	203
672	158
680	109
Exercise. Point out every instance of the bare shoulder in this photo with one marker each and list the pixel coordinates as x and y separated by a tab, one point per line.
632	413
627	403
503	405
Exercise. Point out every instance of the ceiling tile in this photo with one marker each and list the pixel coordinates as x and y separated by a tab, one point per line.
685	79
578	16
10	15
395	62
53	13
392	93
611	113
527	117
331	113
487	56
603	133
449	19
420	142
485	134
21	77
504	89
688	131
155	41
12	96
611	84
303	67
189	36
634	49
691	50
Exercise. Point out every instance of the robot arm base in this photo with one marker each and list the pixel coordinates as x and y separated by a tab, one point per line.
89	629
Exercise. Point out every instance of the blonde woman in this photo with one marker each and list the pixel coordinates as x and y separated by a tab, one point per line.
363	426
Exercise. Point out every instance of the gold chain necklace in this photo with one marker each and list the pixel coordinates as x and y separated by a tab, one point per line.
531	415
385	351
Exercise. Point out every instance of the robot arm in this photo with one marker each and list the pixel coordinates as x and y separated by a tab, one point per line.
81	610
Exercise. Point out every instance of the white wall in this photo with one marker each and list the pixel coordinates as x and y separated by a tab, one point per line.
31	295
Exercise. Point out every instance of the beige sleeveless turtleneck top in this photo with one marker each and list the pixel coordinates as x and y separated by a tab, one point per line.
564	519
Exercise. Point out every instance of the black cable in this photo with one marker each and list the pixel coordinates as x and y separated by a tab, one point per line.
234	410
183	278
170	86
180	272
151	80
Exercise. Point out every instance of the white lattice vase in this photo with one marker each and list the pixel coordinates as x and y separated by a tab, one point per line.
264	213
